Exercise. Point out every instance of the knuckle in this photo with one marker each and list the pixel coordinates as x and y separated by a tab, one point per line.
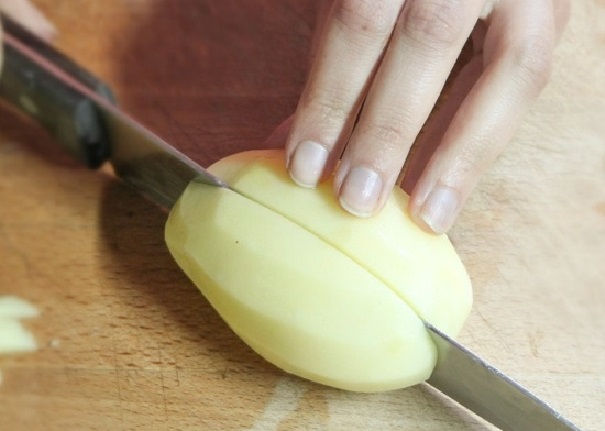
478	154
533	59
435	23
371	17
390	135
328	109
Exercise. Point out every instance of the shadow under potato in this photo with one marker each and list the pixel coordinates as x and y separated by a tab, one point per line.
132	230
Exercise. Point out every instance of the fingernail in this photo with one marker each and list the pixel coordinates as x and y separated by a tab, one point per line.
440	209
360	191
307	164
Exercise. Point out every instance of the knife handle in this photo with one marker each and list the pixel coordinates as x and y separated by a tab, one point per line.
71	118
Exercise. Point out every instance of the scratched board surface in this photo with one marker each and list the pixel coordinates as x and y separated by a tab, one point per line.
126	342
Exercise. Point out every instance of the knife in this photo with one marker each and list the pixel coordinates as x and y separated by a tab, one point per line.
80	111
488	392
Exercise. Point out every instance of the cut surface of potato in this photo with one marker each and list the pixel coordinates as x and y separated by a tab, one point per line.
287	274
422	268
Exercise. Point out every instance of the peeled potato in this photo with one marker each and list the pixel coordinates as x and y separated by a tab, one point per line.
320	293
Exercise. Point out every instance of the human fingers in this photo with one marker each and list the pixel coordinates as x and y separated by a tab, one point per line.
427	39
518	51
24	12
349	48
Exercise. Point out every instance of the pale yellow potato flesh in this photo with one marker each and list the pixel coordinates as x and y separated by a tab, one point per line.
422	268
287	274
294	299
14	338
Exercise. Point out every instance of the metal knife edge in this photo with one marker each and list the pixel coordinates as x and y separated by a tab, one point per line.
45	89
488	392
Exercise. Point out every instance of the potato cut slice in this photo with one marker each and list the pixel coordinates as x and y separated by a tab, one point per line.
12	307
421	268
294	298
14	338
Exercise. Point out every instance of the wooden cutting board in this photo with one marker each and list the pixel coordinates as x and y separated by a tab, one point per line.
126	342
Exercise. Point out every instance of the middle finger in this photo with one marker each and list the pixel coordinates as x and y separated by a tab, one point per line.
426	42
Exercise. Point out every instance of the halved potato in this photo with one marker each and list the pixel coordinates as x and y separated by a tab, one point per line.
317	292
422	268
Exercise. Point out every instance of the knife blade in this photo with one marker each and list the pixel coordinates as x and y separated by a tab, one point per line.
80	111
488	392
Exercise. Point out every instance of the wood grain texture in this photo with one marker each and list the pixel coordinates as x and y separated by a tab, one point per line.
127	343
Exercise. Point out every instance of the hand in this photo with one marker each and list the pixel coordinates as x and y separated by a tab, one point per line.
379	68
24	12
